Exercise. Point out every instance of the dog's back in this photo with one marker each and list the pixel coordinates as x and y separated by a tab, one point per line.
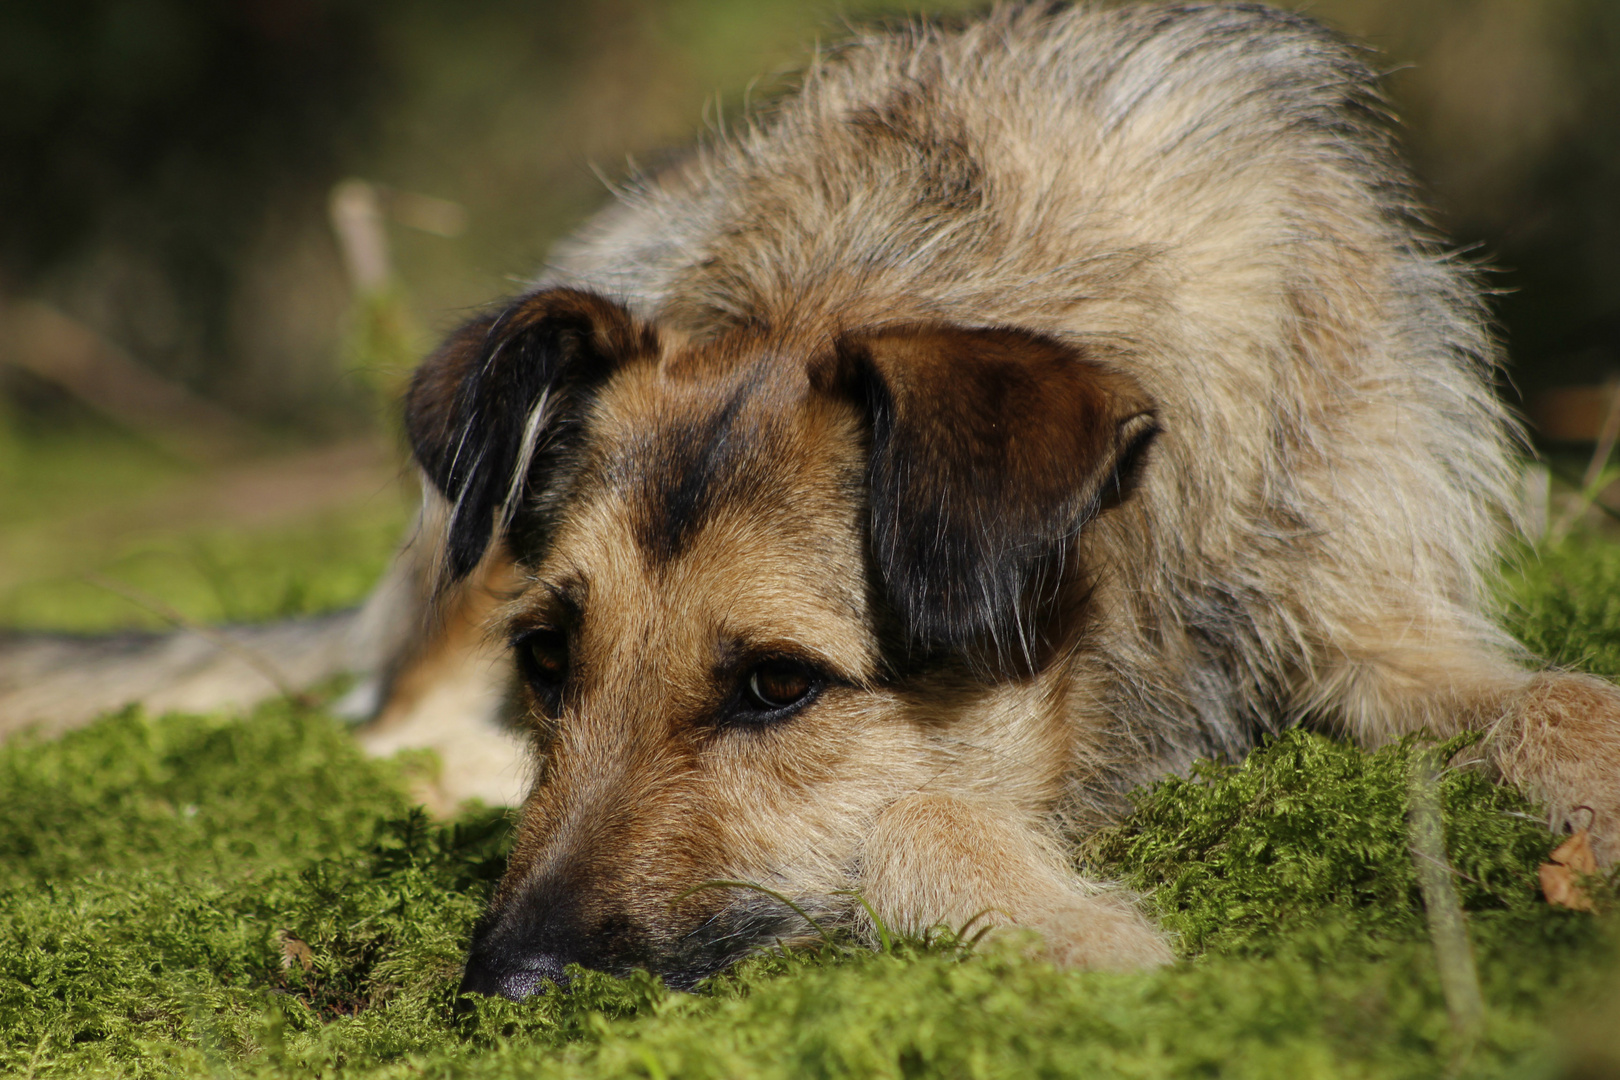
1205	196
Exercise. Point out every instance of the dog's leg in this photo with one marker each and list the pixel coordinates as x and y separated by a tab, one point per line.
936	860
1554	734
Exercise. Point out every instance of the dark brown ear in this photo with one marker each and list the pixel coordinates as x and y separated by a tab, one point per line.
990	450
500	387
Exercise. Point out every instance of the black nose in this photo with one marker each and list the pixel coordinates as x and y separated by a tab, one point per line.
530	935
514	978
523	945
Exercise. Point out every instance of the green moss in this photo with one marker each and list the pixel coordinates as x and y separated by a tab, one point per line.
154	871
1310	832
189	896
161	878
211	795
1563	602
211	575
77	522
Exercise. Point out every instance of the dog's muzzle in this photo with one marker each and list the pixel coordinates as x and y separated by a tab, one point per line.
524	946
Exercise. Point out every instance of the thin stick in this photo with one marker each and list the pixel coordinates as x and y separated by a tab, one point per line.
1606	438
1536	494
1588	496
254	659
1459	979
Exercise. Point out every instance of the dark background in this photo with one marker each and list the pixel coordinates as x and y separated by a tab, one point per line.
167	164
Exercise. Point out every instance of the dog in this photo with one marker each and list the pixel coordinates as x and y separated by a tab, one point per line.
1018	412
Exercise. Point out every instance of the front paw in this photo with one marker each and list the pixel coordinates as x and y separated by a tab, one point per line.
1101	932
936	860
1561	744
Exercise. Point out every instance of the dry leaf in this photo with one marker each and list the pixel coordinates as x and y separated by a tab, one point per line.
295	950
1561	874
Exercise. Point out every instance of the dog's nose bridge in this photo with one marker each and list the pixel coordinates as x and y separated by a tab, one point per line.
600	775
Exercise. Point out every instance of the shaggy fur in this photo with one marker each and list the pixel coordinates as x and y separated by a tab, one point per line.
1030	408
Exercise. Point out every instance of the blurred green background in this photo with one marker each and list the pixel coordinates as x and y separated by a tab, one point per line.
193	392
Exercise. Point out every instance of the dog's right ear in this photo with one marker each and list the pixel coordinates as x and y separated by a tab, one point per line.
501	386
991	449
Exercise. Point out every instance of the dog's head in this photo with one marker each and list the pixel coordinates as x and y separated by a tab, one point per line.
763	575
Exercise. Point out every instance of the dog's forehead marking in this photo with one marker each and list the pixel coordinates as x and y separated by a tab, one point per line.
733	505
686	467
727	427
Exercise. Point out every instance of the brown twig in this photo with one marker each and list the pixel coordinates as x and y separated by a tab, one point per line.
51	345
1454	956
1607	436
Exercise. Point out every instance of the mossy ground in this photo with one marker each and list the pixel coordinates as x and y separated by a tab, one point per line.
191	896
91	516
198	896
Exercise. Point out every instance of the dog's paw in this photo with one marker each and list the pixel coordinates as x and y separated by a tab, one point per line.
940	861
1561	743
1103	932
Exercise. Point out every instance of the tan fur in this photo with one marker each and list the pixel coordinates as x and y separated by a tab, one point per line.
1152	272
449	668
971	863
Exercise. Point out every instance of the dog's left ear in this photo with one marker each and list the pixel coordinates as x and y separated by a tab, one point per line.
500	387
991	449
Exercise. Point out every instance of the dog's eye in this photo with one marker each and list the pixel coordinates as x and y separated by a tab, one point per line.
543	655
779	684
